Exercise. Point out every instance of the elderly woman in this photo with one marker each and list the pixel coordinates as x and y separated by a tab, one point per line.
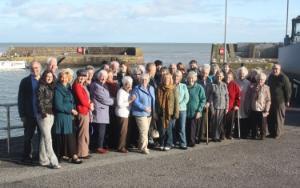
219	105
183	99
64	106
234	104
122	111
102	100
244	85
142	109
168	111
194	107
260	98
45	119
83	106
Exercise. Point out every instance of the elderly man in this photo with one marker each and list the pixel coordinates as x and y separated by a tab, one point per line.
52	65
114	66
280	89
27	107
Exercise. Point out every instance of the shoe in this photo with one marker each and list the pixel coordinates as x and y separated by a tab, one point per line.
27	160
277	137
65	158
45	165
123	150
183	147
56	166
76	161
167	149
145	151
86	157
161	148
101	151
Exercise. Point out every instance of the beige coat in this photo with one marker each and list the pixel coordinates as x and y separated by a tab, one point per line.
260	98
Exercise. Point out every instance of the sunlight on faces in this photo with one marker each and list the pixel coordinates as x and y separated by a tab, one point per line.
276	69
81	79
178	77
152	70
229	77
192	78
64	78
49	78
90	74
219	76
102	77
167	79
35	68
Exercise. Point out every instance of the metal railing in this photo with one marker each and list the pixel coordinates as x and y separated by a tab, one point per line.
8	127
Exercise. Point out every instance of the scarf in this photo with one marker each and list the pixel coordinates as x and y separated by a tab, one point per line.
163	95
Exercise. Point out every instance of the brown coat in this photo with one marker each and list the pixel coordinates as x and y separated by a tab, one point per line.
168	104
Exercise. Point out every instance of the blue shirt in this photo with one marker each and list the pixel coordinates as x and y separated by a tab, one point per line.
35	84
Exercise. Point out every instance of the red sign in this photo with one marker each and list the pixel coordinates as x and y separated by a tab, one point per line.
221	51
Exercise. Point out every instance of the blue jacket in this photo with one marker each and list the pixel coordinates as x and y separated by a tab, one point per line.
144	98
63	105
102	100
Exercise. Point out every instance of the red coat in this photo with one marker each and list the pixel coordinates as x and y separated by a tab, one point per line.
82	98
234	95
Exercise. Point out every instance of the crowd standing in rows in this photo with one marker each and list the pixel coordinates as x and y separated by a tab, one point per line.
141	107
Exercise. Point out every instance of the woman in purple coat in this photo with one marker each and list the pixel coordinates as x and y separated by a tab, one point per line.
102	100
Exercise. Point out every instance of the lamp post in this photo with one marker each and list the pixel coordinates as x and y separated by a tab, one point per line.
225	34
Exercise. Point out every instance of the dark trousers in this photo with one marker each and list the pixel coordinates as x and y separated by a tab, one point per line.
111	135
65	145
230	123
30	124
276	119
245	127
132	132
97	139
258	122
191	126
122	126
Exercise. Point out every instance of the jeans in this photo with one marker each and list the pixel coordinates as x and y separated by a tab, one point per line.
46	153
166	134
180	129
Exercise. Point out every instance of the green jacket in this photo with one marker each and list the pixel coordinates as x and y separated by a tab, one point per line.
184	96
197	100
63	105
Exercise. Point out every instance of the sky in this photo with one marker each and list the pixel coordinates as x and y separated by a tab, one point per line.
133	21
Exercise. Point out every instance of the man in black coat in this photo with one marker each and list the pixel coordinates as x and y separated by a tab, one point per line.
27	106
280	88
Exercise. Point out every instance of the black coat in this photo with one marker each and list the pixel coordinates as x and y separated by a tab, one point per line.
25	98
45	95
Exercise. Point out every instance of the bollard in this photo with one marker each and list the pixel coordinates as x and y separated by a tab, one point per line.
8	128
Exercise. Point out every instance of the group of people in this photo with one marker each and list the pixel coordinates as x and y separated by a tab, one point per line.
119	107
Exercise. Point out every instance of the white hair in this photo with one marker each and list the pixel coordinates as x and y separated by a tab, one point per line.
192	74
127	80
205	67
49	60
115	63
261	76
102	72
242	69
141	68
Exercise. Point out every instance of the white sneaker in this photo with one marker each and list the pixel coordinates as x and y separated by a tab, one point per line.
167	148
161	148
56	166
145	151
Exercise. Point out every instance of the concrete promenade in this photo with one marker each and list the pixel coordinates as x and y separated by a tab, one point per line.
231	163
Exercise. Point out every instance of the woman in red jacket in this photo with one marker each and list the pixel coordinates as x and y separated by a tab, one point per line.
234	104
83	106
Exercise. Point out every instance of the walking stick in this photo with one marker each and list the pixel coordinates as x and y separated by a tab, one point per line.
239	127
206	122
